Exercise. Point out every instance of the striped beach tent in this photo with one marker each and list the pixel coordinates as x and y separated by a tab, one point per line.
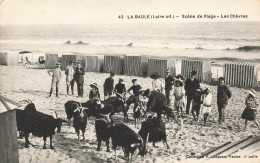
160	66
50	60
92	64
241	74
74	57
203	69
113	64
135	65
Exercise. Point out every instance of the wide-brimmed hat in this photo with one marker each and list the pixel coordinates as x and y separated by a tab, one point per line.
179	76
252	92
112	74
146	92
57	64
134	80
221	78
71	61
155	75
193	72
94	85
180	81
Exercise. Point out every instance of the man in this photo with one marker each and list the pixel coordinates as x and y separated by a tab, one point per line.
109	85
79	78
156	102
70	71
134	98
190	87
169	81
56	76
157	84
223	94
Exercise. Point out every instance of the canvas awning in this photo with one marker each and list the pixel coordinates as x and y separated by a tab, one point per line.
24	52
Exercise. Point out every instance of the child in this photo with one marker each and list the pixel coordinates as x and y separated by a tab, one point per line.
120	89
135	97
94	92
179	93
250	112
196	104
206	104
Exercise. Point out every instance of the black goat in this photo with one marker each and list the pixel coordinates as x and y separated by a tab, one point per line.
118	106
126	138
41	125
103	130
138	111
71	106
80	120
21	115
154	130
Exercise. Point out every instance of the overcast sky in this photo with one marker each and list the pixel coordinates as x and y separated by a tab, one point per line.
104	11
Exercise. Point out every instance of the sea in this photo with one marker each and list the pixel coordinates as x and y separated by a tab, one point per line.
239	40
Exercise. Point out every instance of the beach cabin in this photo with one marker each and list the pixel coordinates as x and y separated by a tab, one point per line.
50	60
74	57
242	74
113	64
135	65
93	63
8	131
161	65
203	69
6	58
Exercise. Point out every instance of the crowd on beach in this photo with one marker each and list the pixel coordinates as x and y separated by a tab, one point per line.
186	93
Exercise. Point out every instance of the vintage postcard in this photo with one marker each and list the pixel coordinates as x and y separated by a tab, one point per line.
129	81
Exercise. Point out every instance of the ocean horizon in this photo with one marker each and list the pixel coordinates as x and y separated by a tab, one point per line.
239	40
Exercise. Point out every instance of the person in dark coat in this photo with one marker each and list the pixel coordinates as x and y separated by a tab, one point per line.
120	89
79	78
156	102
190	87
250	112
223	94
169	82
197	101
109	85
94	92
134	98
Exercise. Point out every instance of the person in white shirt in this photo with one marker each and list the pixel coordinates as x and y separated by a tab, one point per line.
179	93
70	71
157	84
206	104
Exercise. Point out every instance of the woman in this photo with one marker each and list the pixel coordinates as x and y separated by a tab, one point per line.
94	92
250	112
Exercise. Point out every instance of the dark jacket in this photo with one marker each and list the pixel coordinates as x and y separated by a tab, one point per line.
120	88
79	74
136	89
169	81
223	94
156	102
94	95
109	84
191	86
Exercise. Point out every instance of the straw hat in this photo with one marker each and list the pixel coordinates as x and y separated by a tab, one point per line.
155	75
252	92
179	76
94	85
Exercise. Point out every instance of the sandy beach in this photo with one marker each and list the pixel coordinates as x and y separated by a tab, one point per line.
20	83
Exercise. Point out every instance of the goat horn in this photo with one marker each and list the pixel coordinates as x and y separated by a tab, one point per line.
24	101
56	114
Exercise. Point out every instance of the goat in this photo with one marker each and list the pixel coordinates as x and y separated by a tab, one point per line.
153	130
118	105
80	121
126	138
41	125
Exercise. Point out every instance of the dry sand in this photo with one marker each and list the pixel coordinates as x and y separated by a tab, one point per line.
19	83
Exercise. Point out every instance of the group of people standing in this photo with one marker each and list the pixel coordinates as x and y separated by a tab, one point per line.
177	87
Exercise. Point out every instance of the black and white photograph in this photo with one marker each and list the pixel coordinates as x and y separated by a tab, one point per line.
142	81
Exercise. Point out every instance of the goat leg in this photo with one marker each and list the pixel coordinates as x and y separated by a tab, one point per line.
167	144
77	131
115	153
26	135
51	146
83	136
99	144
44	140
107	144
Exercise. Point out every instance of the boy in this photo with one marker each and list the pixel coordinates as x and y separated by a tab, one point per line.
196	104
120	89
206	104
109	85
179	93
135	97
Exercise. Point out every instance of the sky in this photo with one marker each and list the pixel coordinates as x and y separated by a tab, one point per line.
34	12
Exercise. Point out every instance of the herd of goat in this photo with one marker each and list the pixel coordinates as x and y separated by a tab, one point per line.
39	124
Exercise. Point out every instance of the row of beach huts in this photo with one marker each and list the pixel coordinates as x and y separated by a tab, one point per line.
236	74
